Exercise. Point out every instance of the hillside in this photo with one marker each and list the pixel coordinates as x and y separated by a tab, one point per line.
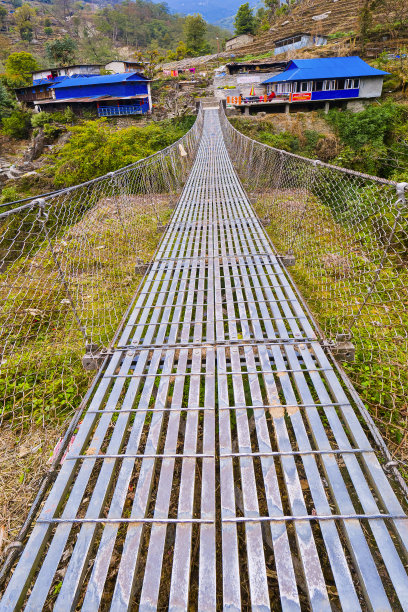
100	31
341	21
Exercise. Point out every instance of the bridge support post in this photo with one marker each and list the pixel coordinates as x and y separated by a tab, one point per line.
344	349
287	260
161	227
141	266
93	358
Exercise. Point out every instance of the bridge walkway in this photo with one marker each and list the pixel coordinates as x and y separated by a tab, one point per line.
220	464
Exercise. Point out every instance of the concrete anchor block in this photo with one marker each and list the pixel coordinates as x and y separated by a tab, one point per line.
141	267
93	358
287	260
161	227
344	349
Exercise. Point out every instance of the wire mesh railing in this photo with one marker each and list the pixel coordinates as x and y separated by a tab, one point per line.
70	263
347	234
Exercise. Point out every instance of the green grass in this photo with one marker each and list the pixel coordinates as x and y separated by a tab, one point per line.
42	373
335	265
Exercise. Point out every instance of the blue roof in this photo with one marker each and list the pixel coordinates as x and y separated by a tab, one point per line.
325	68
43	81
100	80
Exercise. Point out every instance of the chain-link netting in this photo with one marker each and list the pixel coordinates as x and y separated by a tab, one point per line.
69	265
349	235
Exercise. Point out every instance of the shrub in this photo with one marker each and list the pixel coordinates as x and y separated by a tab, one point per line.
284	140
95	149
48	30
311	139
18	124
67	116
41	119
6	103
51	131
9	194
367	127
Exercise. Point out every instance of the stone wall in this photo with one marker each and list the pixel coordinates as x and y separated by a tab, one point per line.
239	41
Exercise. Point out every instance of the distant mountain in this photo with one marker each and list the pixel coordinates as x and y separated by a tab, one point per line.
213	11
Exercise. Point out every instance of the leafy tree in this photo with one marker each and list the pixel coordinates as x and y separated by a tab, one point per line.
63	8
195	29
18	124
6	103
365	20
4	48
47	30
62	51
19	67
143	24
272	5
95	49
25	19
393	12
180	52
244	22
3	13
261	20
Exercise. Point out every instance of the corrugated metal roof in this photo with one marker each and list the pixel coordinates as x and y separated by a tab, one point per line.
101	80
93	99
39	82
325	68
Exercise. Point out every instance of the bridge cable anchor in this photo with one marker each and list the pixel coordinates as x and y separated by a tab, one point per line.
287	260
94	357
161	227
343	349
141	267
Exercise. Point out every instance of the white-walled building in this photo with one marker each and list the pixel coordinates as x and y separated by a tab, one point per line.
238	41
298	41
121	66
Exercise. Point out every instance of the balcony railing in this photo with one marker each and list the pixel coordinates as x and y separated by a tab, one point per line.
108	111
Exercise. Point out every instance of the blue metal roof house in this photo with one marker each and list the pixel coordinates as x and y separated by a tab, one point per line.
325	79
111	94
319	81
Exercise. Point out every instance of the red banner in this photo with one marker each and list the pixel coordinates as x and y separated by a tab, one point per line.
297	97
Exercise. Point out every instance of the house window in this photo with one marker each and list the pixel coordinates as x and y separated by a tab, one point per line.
282	88
352	83
305	86
318	85
329	84
341	84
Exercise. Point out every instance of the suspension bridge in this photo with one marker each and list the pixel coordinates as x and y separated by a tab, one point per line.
221	462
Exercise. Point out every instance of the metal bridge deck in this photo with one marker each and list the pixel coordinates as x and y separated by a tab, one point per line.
220	464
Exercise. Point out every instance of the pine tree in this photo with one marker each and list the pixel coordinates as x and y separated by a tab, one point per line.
195	29
244	22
